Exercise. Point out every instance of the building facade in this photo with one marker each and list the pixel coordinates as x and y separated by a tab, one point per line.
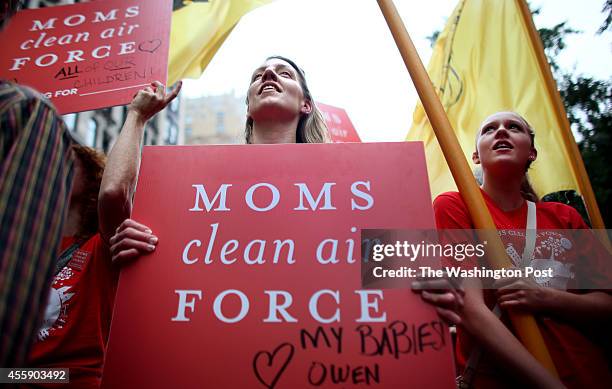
214	119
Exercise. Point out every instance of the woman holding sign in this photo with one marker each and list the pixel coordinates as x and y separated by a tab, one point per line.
280	109
505	150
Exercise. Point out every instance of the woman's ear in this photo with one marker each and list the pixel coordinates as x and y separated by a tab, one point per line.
476	158
533	154
306	107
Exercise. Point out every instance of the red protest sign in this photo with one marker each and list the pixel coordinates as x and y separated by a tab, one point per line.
338	123
255	282
88	55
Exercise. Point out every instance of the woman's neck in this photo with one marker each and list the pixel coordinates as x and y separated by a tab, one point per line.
274	132
505	193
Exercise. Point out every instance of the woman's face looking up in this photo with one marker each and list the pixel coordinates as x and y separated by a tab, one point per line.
275	93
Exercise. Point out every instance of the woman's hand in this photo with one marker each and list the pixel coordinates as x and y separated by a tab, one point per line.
152	99
524	294
131	241
445	295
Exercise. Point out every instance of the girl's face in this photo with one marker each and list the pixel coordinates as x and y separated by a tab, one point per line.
275	93
504	139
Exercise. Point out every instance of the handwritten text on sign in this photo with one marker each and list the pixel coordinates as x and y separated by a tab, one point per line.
88	55
255	281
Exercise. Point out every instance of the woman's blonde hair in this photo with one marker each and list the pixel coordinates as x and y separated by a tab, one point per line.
311	127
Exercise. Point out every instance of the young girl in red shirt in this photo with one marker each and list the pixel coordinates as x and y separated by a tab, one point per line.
570	320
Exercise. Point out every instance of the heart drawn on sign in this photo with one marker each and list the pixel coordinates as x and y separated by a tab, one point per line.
272	365
150	46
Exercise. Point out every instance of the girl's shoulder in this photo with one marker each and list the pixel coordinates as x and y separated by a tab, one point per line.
449	198
559	215
451	212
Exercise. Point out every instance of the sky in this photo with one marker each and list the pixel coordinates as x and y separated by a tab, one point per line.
351	60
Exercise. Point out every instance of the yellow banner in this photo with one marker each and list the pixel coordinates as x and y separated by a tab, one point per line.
484	62
198	30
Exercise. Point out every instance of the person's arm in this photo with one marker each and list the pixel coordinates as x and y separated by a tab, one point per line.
491	334
527	295
576	308
119	179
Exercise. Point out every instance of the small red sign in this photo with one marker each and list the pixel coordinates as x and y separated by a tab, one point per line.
256	282
338	123
88	55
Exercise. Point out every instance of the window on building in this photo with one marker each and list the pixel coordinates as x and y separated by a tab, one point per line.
220	122
92	132
174	105
152	131
172	134
106	141
70	120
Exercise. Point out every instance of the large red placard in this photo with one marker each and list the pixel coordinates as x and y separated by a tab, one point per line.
88	55
256	279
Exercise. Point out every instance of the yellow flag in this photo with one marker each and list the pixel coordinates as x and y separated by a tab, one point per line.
484	62
198	30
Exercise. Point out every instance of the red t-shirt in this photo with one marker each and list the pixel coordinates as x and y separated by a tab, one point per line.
77	319
581	363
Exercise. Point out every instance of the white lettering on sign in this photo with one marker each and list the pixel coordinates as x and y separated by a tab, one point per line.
280	312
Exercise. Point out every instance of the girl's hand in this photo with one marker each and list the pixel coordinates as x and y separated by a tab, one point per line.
524	294
445	295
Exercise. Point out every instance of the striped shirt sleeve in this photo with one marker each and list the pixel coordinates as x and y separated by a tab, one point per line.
35	183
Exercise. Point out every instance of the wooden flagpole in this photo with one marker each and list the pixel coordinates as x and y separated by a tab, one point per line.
525	325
